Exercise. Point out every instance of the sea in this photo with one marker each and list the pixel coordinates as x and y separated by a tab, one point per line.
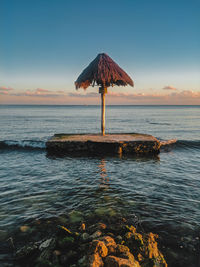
161	194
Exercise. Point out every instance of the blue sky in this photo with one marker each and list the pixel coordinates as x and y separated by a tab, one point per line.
47	43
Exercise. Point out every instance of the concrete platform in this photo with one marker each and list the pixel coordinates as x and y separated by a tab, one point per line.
110	144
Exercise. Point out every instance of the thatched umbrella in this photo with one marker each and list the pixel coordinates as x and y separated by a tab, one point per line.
104	72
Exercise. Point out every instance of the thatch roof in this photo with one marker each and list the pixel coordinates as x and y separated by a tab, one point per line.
103	71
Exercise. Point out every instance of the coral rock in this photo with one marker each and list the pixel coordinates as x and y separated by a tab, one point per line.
99	247
102	226
112	261
120	249
110	243
95	261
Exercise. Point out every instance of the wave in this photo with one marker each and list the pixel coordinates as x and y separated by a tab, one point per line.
160	123
22	144
180	144
36	144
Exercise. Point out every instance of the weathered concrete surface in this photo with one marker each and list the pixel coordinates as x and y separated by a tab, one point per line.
110	144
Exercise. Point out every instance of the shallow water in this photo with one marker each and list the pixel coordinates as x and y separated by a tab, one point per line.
162	193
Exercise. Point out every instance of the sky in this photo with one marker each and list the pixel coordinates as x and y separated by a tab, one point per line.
45	45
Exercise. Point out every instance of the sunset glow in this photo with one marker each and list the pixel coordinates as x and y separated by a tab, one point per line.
45	47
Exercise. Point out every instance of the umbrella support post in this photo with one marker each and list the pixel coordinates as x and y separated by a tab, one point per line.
103	91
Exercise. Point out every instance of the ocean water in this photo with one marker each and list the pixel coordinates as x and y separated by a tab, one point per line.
161	194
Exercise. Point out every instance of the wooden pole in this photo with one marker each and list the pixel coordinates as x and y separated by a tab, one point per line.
103	113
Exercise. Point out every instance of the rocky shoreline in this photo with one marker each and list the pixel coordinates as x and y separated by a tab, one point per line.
109	243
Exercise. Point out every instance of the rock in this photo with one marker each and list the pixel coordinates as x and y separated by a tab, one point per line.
65	258
140	257
99	247
46	243
24	228
127	255
138	239
62	220
152	251
134	240
82	261
43	263
110	234
55	260
85	237
102	226
101	211
131	228
57	252
95	261
111	212
96	234
66	242
112	261
3	235
110	243
47	248
128	235
120	249
119	239
26	251
75	216
82	227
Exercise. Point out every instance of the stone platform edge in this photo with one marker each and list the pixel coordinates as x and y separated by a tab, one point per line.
110	144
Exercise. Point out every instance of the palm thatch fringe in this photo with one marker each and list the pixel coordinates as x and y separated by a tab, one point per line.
104	72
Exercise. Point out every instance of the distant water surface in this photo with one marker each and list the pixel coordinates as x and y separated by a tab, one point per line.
163	193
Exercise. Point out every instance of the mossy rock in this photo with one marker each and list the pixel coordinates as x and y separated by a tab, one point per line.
104	211
75	216
66	242
44	263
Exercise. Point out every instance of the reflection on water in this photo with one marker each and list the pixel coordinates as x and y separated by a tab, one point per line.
104	180
158	194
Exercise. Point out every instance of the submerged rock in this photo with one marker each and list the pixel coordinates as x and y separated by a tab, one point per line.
24	228
43	263
85	237
75	216
46	243
26	251
96	234
68	256
67	241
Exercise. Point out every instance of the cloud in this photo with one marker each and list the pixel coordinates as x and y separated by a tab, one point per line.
40	92
182	98
169	87
40	95
5	89
88	95
3	92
